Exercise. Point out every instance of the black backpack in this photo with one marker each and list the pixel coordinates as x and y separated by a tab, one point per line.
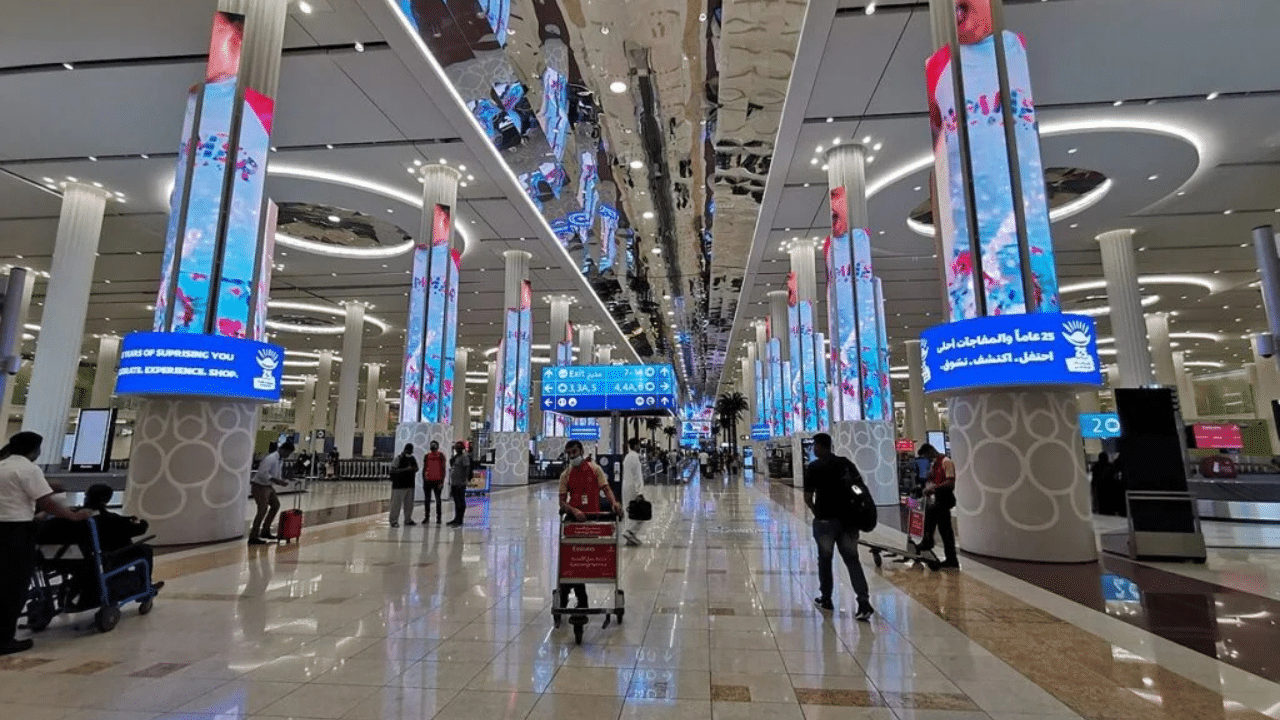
862	513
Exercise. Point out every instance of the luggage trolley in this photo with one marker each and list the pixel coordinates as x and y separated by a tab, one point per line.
588	556
915	535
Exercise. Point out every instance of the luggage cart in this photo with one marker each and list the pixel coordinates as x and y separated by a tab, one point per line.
588	556
915	535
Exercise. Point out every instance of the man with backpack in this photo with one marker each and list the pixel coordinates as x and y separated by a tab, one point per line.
842	506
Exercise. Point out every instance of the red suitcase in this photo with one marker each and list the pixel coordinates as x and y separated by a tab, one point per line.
290	525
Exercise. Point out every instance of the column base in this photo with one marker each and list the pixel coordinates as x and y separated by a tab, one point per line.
511	459
869	444
1021	488
189	468
421	434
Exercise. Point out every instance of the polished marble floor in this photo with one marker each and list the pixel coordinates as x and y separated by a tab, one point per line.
363	621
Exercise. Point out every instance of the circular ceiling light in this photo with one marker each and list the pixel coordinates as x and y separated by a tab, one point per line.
318	309
617	87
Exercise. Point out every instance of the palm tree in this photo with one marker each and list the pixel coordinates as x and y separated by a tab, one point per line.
652	424
730	408
670	431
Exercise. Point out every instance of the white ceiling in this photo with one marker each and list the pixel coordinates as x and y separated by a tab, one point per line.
383	108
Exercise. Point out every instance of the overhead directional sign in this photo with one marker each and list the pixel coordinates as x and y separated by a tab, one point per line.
584	432
587	390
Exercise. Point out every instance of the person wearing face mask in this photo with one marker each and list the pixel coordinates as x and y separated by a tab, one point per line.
580	486
459	476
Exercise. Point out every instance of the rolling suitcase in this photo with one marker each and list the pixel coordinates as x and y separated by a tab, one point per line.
291	521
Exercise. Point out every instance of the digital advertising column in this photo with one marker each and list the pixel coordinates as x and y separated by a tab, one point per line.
862	427
510	419
1008	361
555	427
431	334
204	371
808	356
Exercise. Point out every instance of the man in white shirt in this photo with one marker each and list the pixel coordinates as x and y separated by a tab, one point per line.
632	486
23	489
704	464
270	472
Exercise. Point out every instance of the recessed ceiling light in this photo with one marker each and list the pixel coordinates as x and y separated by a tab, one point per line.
1153	177
329	145
871	8
93	158
334	218
1117	103
877	146
636	164
1211	96
1072	151
604	29
359	47
304	6
1227	212
648	214
866	140
831	119
617	86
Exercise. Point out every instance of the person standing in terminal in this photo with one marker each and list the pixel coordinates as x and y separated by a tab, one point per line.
23	490
940	498
632	486
404	475
828	482
270	472
459	476
433	472
580	486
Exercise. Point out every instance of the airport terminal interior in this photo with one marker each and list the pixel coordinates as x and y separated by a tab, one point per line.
1015	260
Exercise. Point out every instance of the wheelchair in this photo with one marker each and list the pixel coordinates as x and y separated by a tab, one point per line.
73	574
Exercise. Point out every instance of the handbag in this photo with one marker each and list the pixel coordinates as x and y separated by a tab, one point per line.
640	509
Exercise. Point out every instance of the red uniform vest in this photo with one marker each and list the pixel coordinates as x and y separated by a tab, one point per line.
584	488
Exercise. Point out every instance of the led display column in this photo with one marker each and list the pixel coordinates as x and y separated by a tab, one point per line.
806	347
1124	298
373	377
1008	360
431	335
66	303
18	287
555	427
204	371
765	411
784	410
344	432
104	374
514	380
862	426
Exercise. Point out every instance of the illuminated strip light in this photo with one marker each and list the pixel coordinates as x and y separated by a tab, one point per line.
312	355
1065	128
1062	212
1204	363
387	191
319	309
1197	280
1215	337
1100	311
342	251
492	152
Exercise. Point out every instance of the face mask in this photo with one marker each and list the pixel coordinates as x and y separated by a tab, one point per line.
576	461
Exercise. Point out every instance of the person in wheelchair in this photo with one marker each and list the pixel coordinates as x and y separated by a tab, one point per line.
116	535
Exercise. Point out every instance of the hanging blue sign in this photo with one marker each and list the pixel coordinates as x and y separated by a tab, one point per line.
1099	425
761	432
587	390
161	363
1007	351
584	432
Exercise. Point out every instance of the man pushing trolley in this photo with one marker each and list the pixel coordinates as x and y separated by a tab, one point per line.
588	542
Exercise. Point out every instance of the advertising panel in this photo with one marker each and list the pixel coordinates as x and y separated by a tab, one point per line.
167	269
868	335
437	293
982	115
1217	437
554	114
608	236
524	386
776	395
1011	351
240	250
882	368
262	294
843	311
163	363
415	338
450	338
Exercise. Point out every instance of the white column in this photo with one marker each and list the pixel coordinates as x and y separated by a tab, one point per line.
23	309
1186	389
384	410
490	391
1161	349
1119	266
587	344
304	406
66	303
373	376
461	409
324	377
604	354
349	381
917	427
104	376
